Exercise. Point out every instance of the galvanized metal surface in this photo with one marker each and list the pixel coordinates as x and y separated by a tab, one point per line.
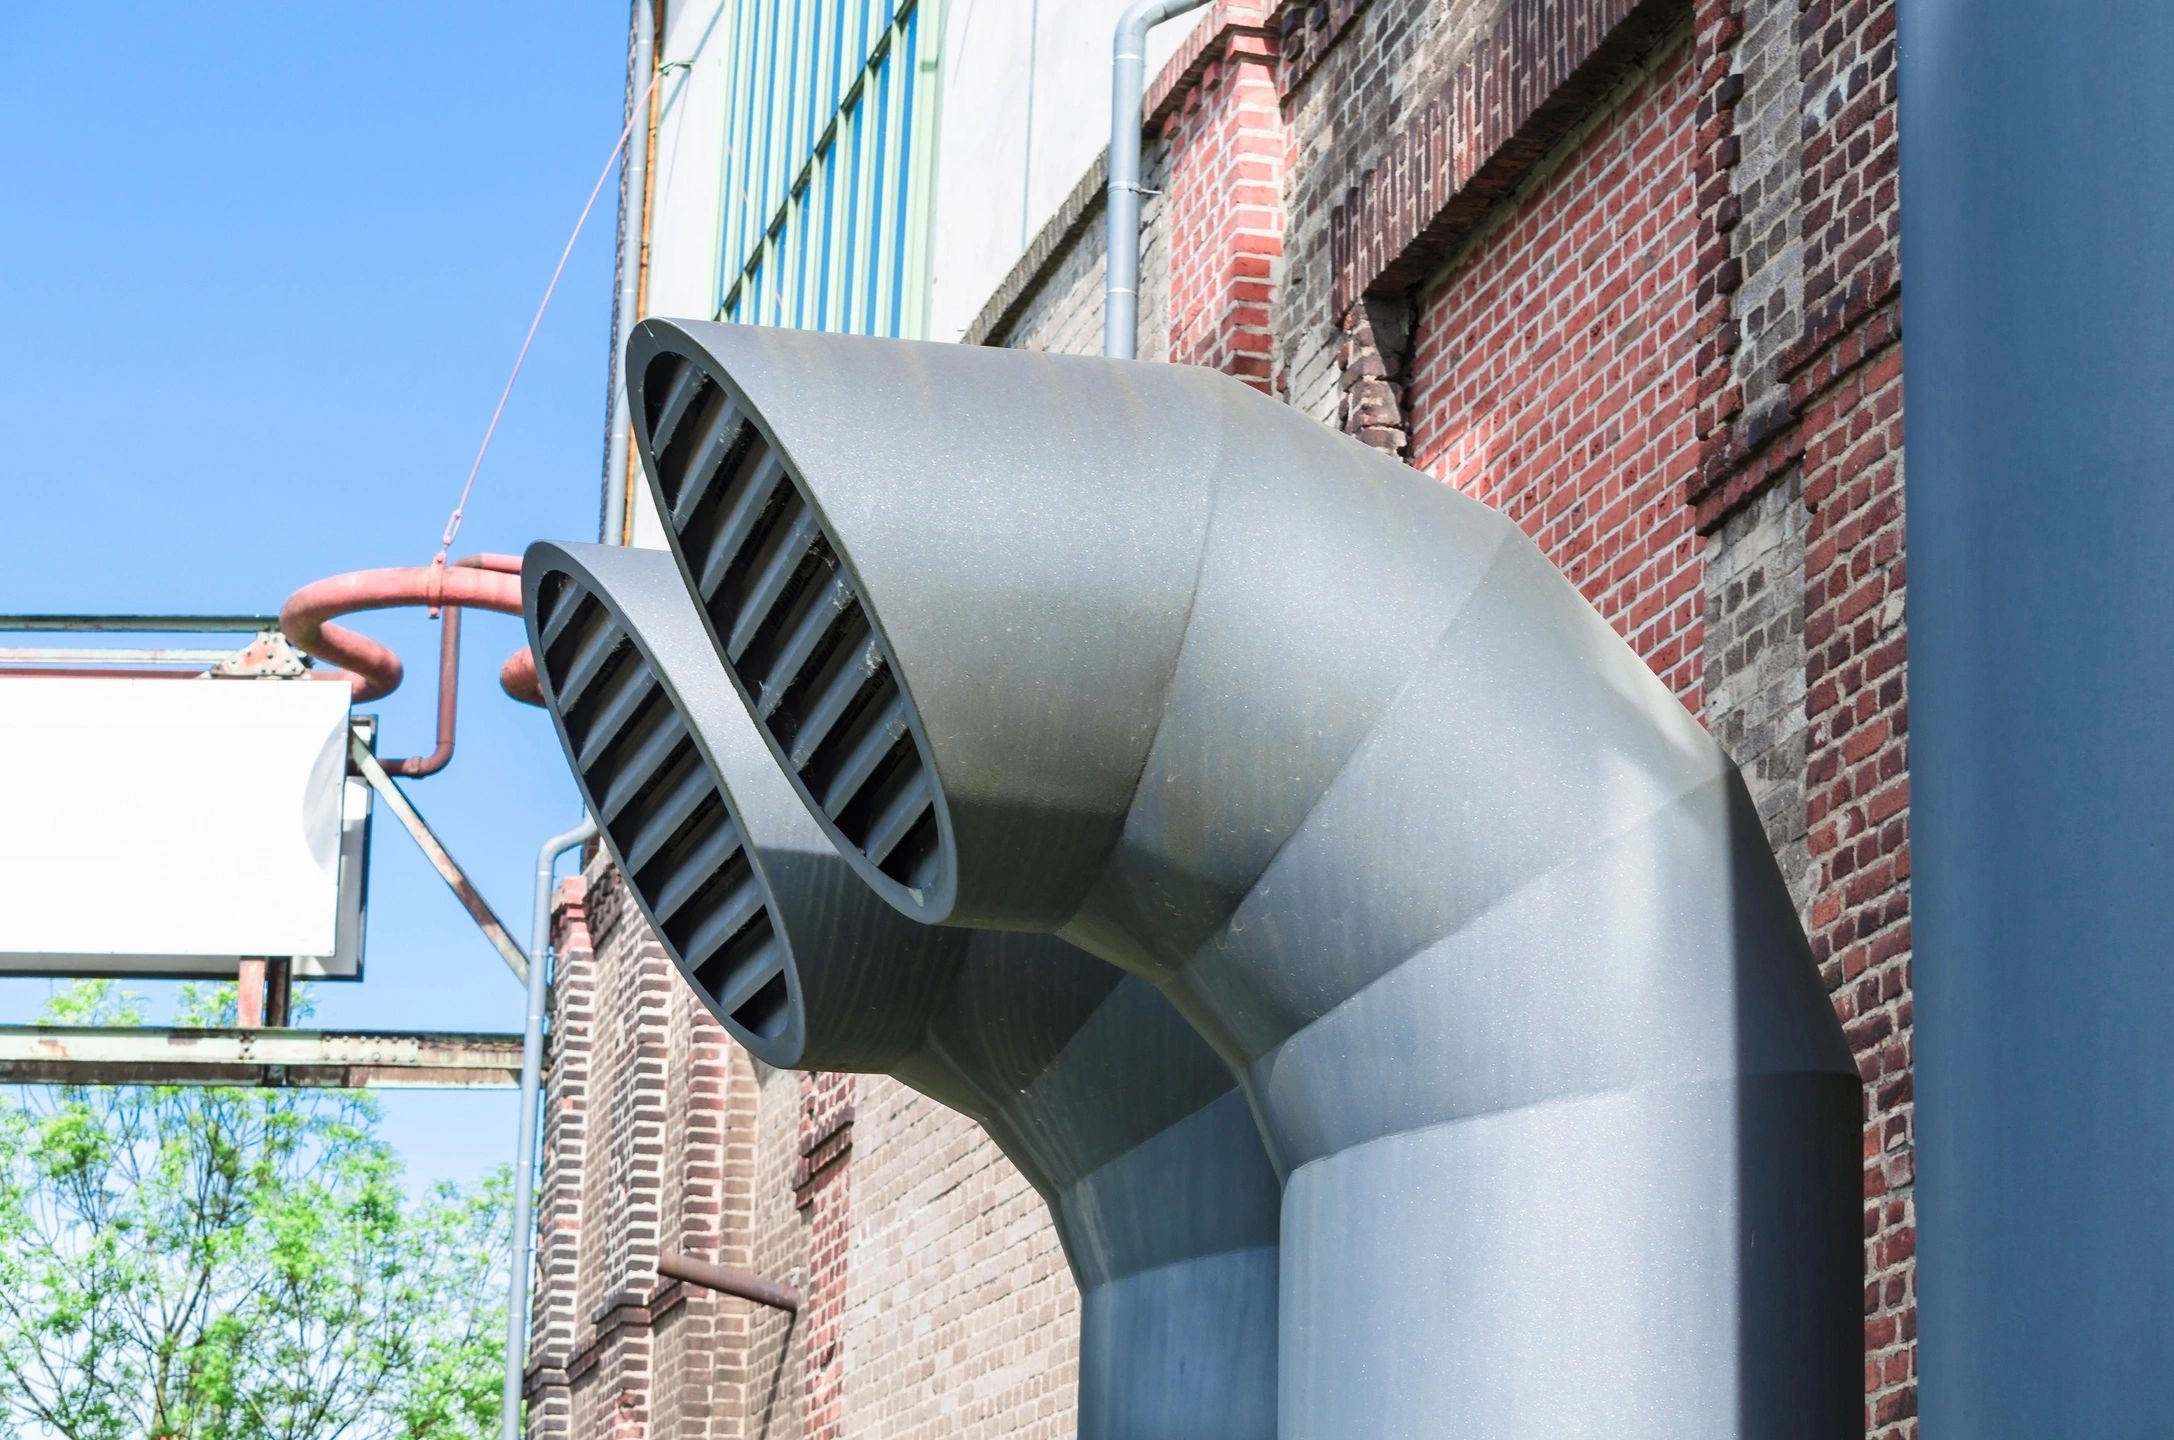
2037	218
1332	756
1126	1123
441	859
153	1055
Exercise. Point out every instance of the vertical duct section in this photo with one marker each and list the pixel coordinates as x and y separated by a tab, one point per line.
1130	1128
1333	756
2038	215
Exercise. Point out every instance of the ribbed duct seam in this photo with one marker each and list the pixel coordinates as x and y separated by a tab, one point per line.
1129	1126
1334	757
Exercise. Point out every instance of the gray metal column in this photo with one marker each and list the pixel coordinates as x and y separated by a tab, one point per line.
2038	222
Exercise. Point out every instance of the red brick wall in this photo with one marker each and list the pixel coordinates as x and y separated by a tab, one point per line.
822	1188
1845	378
1551	369
1228	152
554	1317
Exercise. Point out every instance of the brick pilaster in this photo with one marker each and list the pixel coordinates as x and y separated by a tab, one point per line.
822	1188
1223	121
554	1315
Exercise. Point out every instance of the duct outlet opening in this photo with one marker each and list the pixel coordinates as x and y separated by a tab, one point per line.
788	622
661	810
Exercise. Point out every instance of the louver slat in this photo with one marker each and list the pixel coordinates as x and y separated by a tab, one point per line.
678	396
818	619
707	461
695	869
749	502
563	603
771	585
677	798
735	984
875	738
733	913
852	672
593	646
898	817
650	752
631	687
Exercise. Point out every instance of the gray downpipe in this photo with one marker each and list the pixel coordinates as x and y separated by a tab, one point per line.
524	1165
1129	1127
1329	753
1128	81
612	516
633	181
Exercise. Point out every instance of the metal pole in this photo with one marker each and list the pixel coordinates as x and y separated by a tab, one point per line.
1128	79
138	624
524	1165
611	524
440	858
2038	215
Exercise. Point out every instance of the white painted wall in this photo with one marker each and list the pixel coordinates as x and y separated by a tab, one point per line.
1017	136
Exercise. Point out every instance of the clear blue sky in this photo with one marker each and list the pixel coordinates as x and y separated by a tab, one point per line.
263	268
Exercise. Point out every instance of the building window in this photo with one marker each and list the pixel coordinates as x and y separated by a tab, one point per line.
830	114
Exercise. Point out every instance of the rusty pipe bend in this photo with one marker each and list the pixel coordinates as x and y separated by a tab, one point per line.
371	668
1334	757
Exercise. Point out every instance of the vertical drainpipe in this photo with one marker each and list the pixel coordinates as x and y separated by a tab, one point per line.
612	527
524	1170
2038	214
1128	80
612	521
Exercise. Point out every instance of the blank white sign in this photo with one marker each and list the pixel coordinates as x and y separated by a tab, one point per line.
153	826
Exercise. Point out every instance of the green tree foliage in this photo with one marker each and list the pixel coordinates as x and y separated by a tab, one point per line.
183	1263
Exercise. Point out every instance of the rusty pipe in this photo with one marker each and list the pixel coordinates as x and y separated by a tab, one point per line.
726	1281
414	767
485	582
517	677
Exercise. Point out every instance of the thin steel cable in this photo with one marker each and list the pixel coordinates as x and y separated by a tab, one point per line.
460	508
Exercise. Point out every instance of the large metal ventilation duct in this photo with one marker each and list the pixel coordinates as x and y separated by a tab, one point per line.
1486	922
1114	1110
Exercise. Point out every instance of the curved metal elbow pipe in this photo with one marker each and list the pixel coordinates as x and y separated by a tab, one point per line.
1333	756
1112	1108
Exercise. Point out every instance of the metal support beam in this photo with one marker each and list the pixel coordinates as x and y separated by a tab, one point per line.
441	859
139	624
293	1059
